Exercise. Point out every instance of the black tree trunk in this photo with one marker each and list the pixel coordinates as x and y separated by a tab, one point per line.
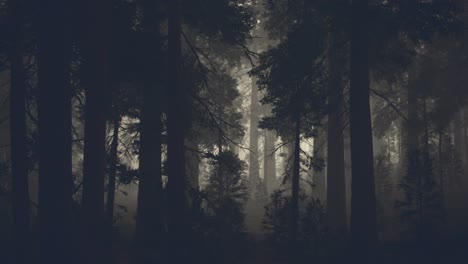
149	221
363	203
178	224
295	180
336	188
97	108
54	108
19	156
112	171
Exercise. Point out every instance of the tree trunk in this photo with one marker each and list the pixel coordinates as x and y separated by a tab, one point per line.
192	164
336	188
19	156
269	161
458	136
412	141
295	181
319	190
348	177
112	171
97	106
363	204
149	221
178	227
54	108
254	173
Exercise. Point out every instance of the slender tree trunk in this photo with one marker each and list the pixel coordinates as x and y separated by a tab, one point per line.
97	108
441	170
19	156
348	177
54	108
363	203
320	177
269	161
192	164
178	227
149	221
458	136
426	128
412	125
295	180
112	170
336	188
254	172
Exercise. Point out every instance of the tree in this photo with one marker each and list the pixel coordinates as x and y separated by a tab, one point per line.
336	186
19	155
319	190
55	188
96	112
149	222
112	170
269	161
178	229
254	173
363	204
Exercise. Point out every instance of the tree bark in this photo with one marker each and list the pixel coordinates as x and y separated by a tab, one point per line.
269	161
19	156
97	108
320	177
295	180
178	228
254	173
112	170
336	188
149	221
458	136
54	108
363	203
192	164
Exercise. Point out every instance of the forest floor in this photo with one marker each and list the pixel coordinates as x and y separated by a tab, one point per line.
261	252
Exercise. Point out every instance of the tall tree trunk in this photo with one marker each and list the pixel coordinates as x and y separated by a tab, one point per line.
363	203
54	108
254	173
412	124
336	188
97	106
320	177
149	221
269	161
295	180
178	228
19	156
112	170
348	177
458	136
192	164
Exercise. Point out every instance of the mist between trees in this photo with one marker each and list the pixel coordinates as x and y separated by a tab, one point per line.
233	131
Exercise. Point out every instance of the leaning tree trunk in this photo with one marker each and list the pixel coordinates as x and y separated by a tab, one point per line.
295	180
178	225
55	190
254	173
149	221
97	105
363	204
336	188
19	156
